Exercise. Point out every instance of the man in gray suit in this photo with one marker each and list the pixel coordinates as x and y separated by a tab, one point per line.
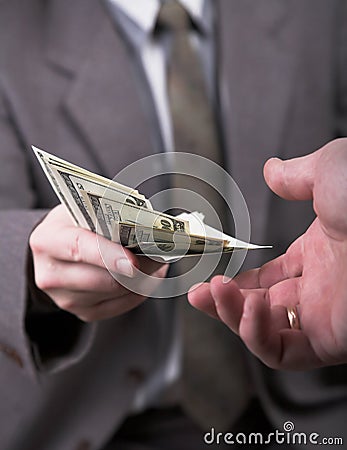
69	83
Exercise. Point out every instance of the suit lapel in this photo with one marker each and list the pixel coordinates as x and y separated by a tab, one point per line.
103	101
100	84
258	48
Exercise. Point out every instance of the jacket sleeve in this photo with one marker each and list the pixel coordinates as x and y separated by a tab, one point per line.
33	331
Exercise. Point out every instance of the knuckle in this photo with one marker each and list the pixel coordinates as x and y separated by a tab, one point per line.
75	247
43	281
67	304
35	241
45	275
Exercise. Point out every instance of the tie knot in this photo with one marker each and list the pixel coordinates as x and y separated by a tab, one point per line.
173	16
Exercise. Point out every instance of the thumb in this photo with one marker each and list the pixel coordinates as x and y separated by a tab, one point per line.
292	179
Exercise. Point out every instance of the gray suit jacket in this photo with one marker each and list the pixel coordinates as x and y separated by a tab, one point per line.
67	85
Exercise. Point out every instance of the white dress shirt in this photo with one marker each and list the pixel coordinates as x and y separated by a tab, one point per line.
144	15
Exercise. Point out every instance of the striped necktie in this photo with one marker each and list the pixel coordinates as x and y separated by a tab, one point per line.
214	380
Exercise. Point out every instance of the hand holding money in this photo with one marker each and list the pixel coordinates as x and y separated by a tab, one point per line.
70	270
120	213
81	272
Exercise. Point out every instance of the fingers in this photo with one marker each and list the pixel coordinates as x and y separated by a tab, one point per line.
285	266
260	317
292	179
330	190
86	291
285	293
108	308
219	300
320	175
84	273
228	302
200	297
260	326
90	308
85	279
265	331
149	266
81	246
225	301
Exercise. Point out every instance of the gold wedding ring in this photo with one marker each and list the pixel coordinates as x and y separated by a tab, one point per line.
293	317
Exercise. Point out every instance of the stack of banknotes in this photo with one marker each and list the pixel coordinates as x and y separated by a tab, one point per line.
124	215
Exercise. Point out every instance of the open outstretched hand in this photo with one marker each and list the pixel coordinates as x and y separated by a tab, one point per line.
311	275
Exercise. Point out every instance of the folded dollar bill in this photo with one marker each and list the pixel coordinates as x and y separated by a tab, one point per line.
124	215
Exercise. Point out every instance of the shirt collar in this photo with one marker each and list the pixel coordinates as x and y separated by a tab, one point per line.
144	13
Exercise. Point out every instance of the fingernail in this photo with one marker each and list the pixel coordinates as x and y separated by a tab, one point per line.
124	267
226	280
195	286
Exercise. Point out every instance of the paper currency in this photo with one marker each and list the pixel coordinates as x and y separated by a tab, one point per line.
69	180
110	210
122	214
